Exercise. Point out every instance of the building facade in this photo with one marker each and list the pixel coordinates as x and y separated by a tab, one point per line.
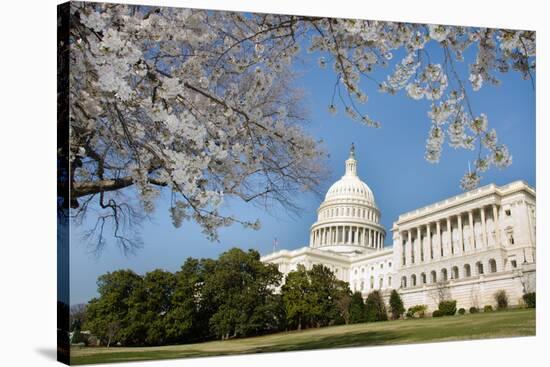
463	248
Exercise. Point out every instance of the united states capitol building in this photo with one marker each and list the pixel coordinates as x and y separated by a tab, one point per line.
465	247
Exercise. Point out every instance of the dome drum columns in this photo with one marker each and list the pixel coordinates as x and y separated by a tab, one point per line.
347	235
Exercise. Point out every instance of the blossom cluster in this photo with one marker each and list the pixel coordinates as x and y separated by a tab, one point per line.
202	102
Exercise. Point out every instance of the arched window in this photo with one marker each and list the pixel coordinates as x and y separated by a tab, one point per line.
467	270
371	282
444	276
413	280
454	272
403	282
362	285
479	267
433	276
389	281
423	278
492	266
381	283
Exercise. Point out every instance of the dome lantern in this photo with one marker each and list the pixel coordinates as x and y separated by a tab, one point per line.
351	163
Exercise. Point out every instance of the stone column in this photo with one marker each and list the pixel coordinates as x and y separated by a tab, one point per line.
439	246
419	247
450	237
371	238
408	248
429	249
472	233
496	225
316	237
483	228
460	234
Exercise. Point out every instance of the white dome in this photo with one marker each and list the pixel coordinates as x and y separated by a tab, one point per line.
350	187
348	220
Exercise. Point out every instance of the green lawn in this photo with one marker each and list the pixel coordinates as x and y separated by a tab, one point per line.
476	326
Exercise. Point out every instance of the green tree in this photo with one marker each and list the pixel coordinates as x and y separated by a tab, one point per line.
396	305
357	309
238	287
187	320
343	301
149	305
315	297
296	298
108	315
375	307
324	295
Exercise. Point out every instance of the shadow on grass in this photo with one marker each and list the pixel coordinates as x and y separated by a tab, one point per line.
367	338
497	325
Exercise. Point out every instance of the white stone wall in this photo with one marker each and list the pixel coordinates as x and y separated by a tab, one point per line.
490	230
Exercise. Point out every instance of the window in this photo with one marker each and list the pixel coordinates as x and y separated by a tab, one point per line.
413	280
479	266
355	272
454	272
381	283
514	264
423	278
404	282
389	281
389	264
444	274
492	266
433	276
467	270
371	282
508	212
381	266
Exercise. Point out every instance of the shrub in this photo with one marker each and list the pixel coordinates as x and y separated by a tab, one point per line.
502	299
396	305
474	309
461	311
488	308
437	313
447	308
417	311
530	299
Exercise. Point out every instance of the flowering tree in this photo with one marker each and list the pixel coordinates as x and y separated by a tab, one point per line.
202	104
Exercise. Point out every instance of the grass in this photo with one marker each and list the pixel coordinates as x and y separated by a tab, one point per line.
471	326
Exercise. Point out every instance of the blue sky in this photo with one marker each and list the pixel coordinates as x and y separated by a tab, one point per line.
390	160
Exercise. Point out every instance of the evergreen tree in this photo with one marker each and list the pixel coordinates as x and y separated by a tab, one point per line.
357	309
396	305
375	307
